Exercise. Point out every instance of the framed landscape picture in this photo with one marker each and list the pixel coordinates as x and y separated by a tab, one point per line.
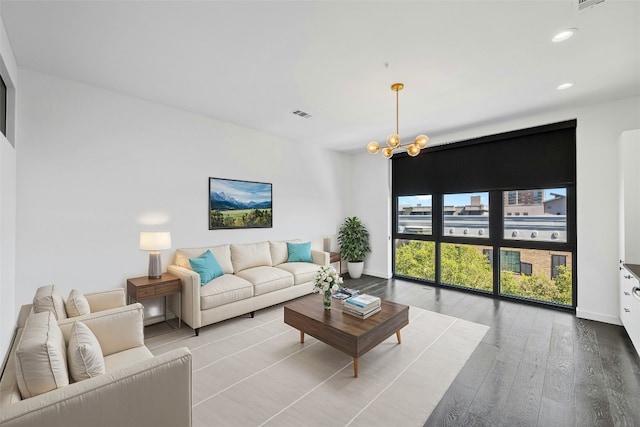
239	204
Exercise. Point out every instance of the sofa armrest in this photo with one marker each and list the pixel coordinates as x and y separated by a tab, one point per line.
152	392
116	329
105	300
190	310
320	257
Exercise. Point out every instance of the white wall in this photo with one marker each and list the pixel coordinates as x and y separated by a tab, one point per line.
597	134
95	168
371	202
9	71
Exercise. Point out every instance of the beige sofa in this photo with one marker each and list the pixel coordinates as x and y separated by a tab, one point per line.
137	389
256	275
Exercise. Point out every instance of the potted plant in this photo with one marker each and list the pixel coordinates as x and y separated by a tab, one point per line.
353	239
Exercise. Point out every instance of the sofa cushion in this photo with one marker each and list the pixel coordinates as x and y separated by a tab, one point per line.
279	252
77	304
41	356
224	290
84	353
206	266
303	272
266	279
47	298
299	252
249	255
221	252
126	358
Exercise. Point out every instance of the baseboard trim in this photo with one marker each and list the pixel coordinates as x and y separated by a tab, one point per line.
376	274
599	317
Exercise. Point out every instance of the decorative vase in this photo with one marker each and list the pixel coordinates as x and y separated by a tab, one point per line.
355	269
326	300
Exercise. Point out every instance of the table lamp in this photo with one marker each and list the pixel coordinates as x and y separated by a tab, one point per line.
154	242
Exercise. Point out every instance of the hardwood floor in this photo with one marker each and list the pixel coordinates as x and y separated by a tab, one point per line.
535	366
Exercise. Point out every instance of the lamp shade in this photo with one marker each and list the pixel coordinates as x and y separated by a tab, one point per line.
155	240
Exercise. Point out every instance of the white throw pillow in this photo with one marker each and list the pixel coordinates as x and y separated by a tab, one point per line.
47	298
41	356
85	354
77	304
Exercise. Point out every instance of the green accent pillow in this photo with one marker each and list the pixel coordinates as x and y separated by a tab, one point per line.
207	266
299	252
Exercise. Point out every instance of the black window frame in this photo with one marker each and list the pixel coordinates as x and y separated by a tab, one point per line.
551	150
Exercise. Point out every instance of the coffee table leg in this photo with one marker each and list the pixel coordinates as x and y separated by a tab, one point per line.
302	337
355	367
399	338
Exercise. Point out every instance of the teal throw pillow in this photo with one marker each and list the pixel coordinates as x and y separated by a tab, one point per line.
207	266
299	252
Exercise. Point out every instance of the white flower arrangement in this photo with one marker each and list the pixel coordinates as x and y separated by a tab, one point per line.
327	279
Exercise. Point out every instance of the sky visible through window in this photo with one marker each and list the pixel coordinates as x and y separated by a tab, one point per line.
465	198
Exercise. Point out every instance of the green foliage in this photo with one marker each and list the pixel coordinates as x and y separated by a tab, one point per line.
416	259
353	239
464	265
240	218
539	287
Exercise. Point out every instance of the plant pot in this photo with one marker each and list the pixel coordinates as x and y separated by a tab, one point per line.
355	269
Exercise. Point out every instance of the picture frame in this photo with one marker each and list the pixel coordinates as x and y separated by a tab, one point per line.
236	204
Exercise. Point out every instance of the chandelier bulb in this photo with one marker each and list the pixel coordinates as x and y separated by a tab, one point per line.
373	147
413	149
393	140
422	141
387	152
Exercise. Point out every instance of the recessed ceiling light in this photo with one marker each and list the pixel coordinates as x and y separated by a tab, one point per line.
564	35
564	86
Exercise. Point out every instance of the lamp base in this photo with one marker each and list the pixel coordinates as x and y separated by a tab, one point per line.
155	265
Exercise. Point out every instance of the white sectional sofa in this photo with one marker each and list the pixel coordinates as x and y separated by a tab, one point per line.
136	388
256	275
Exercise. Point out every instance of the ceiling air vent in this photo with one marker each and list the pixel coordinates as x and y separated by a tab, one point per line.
586	4
302	114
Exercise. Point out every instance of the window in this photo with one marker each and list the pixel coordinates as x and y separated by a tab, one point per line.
415	259
466	215
510	261
466	266
541	207
488	253
503	204
557	261
535	281
414	214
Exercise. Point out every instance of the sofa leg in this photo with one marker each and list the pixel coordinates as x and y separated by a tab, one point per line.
197	332
253	314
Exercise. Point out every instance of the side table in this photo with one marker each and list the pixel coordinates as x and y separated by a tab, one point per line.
336	257
143	288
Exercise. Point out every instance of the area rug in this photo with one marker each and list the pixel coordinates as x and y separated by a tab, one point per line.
255	372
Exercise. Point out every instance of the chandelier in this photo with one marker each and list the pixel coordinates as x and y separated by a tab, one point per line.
393	141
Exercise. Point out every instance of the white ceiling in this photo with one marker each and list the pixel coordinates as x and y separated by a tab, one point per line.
253	63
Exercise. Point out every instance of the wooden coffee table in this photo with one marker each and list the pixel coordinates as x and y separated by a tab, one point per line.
343	332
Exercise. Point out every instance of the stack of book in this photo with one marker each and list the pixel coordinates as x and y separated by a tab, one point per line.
344	293
361	306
